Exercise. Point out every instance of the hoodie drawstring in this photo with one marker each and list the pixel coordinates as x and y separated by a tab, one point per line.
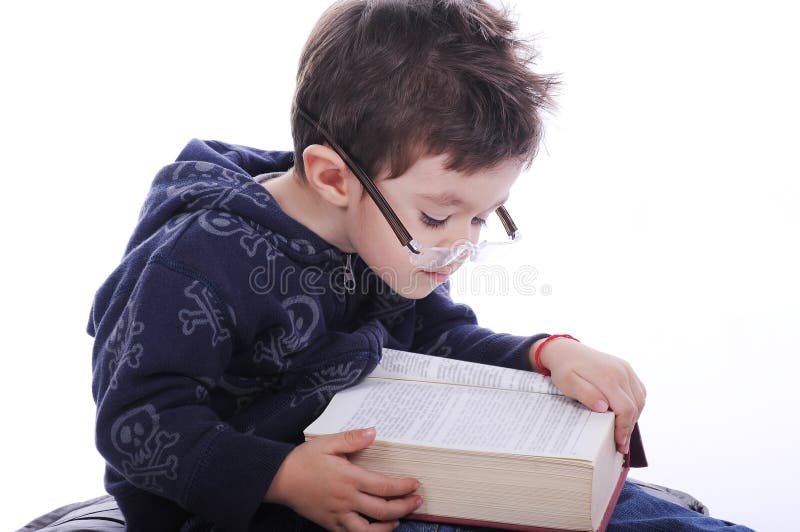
349	278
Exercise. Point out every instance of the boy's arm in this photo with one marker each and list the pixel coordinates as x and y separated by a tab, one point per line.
449	329
153	371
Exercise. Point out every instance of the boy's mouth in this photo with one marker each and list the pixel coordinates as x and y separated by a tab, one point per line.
440	276
443	274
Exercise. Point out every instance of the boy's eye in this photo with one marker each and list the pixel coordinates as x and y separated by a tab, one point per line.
434	222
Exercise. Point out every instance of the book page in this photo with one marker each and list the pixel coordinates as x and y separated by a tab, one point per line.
404	365
469	418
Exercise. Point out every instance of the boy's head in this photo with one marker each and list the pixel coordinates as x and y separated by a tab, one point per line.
395	80
439	92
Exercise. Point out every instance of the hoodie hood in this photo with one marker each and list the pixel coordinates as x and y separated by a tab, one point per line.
214	175
213	183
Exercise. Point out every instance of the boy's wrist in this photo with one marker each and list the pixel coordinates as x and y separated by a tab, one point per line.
547	355
276	493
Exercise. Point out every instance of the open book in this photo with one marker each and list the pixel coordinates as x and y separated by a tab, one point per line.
490	446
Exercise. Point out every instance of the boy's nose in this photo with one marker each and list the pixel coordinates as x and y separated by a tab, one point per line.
471	232
460	234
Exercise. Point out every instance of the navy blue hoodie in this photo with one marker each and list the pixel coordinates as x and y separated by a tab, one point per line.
225	331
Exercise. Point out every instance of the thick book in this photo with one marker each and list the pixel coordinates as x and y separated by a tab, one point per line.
491	446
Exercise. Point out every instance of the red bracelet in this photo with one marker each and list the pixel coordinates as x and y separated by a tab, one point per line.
538	354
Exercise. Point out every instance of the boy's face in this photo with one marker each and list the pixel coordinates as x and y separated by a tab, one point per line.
413	197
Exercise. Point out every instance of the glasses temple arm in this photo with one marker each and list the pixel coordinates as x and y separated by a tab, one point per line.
397	226
508	223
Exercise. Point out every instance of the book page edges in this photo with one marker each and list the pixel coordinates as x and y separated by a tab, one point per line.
510	526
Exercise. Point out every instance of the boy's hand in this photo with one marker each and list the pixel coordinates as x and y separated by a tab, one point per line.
597	380
318	481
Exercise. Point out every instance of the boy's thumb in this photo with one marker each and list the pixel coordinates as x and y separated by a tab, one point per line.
352	440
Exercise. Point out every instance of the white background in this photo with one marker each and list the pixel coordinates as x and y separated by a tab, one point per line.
662	213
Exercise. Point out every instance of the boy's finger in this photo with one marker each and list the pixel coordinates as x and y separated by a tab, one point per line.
347	442
640	393
383	486
386	510
622	432
621	436
626	413
353	522
587	393
621	400
383	526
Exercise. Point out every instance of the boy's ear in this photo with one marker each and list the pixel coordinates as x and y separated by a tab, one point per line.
328	175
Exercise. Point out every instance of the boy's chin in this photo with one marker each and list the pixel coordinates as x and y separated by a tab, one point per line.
420	288
416	294
414	285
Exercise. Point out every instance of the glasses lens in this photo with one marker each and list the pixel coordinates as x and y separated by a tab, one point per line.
496	252
495	246
493	230
435	258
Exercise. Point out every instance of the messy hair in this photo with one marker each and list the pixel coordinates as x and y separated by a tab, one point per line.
396	80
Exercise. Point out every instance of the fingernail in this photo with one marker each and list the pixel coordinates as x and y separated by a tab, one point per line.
419	501
395	524
368	433
601	406
416	485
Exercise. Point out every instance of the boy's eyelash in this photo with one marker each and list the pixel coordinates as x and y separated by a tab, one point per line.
433	222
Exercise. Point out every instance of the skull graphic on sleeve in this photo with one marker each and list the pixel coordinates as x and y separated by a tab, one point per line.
137	437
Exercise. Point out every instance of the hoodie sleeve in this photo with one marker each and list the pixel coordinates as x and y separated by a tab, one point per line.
153	371
449	329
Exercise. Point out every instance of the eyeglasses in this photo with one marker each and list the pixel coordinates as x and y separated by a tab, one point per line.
426	257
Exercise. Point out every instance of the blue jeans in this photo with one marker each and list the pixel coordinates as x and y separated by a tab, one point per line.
636	511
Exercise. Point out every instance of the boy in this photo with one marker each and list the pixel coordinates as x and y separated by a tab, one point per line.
258	284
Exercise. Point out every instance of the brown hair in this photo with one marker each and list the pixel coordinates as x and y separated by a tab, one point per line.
394	80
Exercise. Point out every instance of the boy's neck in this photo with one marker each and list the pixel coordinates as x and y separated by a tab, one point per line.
301	203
